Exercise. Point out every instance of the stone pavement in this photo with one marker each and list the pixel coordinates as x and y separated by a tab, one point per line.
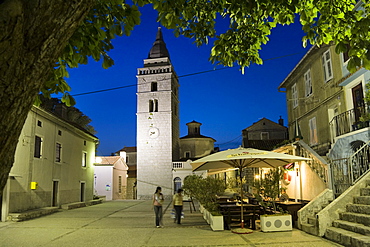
131	223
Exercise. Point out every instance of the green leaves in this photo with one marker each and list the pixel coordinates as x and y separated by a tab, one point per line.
250	24
109	18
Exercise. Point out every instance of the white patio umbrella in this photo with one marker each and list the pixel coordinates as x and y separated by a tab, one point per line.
241	158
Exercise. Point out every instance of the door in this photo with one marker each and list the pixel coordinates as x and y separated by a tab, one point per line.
358	101
54	199
82	194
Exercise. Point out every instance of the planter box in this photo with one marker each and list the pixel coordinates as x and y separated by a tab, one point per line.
275	223
215	222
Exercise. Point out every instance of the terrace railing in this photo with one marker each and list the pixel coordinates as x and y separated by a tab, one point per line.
347	171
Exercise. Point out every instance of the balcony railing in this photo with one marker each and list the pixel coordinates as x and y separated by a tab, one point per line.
345	123
178	165
342	124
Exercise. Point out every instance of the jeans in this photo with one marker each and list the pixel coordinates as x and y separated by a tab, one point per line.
178	210
158	215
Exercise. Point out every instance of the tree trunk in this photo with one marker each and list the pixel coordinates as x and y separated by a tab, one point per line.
33	33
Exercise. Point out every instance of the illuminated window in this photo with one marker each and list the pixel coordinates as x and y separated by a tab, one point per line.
84	159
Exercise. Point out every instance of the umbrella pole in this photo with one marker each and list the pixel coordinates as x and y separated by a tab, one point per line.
241	198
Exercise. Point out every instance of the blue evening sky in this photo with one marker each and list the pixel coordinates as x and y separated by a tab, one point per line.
225	101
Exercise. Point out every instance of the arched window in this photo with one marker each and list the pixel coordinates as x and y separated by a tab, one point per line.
151	105
156	105
177	184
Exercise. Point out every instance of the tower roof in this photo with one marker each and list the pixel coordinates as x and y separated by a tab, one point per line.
159	48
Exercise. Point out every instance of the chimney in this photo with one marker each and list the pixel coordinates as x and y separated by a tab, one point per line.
281	121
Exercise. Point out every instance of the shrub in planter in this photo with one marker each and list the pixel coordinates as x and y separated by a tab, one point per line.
268	188
205	190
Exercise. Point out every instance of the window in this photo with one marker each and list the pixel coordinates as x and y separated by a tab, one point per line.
59	132
295	95
313	131
38	147
39	123
326	63
58	152
154	86
84	159
187	154
308	84
264	135
84	143
345	54
153	105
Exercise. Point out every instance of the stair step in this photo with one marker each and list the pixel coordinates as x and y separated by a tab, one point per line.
358	208
355	217
311	229
365	191
353	227
361	200
347	238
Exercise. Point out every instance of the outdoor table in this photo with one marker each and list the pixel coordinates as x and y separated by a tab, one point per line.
292	208
234	210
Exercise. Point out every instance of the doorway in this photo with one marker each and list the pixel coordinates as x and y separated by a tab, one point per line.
358	101
55	194
82	191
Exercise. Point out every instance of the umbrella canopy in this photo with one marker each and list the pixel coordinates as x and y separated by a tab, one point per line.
242	158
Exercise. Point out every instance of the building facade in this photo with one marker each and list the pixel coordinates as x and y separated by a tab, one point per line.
129	154
195	145
264	134
110	177
53	165
157	121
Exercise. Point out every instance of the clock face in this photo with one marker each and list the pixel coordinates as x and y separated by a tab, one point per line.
153	132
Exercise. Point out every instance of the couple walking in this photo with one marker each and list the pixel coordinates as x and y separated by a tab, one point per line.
158	200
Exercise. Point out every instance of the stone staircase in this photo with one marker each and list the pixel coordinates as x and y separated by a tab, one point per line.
307	216
311	224
353	226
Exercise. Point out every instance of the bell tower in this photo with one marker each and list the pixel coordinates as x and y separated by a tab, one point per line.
157	121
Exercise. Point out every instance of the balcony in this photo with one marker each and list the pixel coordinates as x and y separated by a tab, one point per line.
345	123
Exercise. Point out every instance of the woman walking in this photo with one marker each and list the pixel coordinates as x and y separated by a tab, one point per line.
177	205
157	204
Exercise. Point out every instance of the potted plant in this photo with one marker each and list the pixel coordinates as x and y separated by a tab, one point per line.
205	191
268	191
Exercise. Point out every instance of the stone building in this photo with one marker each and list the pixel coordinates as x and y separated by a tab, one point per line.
53	164
157	121
264	134
194	145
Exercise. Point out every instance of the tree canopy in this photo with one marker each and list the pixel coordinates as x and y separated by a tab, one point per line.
343	23
40	39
